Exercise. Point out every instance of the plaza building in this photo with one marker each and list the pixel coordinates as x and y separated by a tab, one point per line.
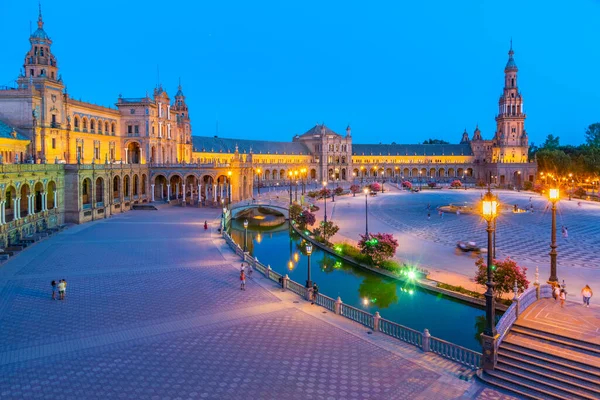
67	160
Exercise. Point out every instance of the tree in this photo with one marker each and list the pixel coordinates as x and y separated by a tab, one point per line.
553	160
324	192
375	187
592	135
407	184
354	189
435	141
304	219
295	211
551	143
338	190
504	275
326	231
378	247
456	183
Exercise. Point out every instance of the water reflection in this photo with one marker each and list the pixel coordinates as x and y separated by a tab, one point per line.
404	303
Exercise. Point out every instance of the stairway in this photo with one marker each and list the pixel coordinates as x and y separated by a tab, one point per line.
540	365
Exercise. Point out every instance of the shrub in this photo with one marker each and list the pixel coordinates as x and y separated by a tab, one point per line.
527	185
504	275
354	189
295	211
378	247
539	188
324	193
305	218
456	183
375	187
407	184
338	190
431	184
326	231
312	194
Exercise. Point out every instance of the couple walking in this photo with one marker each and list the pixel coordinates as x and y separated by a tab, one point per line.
62	289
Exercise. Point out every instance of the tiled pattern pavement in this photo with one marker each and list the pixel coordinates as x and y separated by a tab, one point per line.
154	311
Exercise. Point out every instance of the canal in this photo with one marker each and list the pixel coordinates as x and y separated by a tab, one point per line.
401	302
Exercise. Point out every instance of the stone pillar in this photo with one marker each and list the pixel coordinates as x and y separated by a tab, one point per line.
376	319
183	192
152	191
29	204
215	193
199	195
426	337
489	359
309	293
16	204
55	198
177	191
284	283
126	156
44	201
338	305
168	192
2	211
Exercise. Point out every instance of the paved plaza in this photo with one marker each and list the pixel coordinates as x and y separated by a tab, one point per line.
154	311
430	242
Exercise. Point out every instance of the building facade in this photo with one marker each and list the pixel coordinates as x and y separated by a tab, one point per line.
93	161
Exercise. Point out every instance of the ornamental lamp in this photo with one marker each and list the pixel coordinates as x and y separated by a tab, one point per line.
553	195
366	190
309	249
245	224
489	206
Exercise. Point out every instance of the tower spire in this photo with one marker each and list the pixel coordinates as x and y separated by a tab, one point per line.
40	20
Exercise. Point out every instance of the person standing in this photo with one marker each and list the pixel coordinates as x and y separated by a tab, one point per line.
563	297
242	280
587	294
315	292
53	284
61	290
556	292
64	289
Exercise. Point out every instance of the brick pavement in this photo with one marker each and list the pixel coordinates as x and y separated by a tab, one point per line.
154	311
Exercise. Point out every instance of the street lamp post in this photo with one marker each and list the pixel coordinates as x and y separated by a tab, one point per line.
223	220
420	177
325	200
553	195
308	253
366	212
382	180
296	186
489	336
245	235
290	176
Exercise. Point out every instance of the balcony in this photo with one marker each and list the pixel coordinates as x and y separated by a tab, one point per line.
54	125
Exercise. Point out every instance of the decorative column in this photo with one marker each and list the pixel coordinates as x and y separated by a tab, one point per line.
126	156
16	204
55	198
152	186
183	192
199	195
168	192
29	204
162	195
215	193
44	201
2	210
177	191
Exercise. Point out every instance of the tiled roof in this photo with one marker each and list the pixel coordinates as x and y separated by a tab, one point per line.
225	145
316	130
412	149
7	130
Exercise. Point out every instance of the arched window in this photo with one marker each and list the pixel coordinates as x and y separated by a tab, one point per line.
112	128
76	122
512	82
106	127
92	124
84	123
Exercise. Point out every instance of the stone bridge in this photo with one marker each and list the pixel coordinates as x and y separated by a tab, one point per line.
237	208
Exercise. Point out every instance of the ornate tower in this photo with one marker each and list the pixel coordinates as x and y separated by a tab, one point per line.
180	109
510	137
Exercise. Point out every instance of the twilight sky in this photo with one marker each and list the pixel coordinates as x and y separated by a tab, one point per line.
394	70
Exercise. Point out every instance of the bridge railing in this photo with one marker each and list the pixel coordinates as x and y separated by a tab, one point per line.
520	304
422	340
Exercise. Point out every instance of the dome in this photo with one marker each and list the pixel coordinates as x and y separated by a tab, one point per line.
39	34
511	64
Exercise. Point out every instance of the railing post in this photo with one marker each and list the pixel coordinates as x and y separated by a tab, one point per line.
268	271
538	291
338	306
426	337
309	292
516	299
284	284
376	319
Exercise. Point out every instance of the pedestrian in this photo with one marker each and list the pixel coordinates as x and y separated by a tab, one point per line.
205	225
250	269
61	290
53	284
565	232
563	296
428	216
242	280
314	293
242	267
587	294
556	292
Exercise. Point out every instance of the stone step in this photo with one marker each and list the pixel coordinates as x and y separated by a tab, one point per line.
499	380
589	347
553	350
545	385
554	364
550	376
144	207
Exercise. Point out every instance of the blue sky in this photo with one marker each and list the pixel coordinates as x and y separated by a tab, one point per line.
395	71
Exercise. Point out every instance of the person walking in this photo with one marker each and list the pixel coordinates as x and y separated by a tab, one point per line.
53	284
556	292
61	290
587	294
250	270
242	280
563	297
205	225
315	292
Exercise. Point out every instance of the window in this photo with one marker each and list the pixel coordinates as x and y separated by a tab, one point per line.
92	125
31	72
514	130
41	51
129	128
76	122
512	82
132	111
112	129
106	127
53	143
136	129
84	123
52	74
97	152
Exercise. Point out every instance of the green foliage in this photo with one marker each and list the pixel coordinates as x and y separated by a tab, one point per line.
579	192
295	210
435	141
378	247
326	230
527	185
592	135
304	219
551	142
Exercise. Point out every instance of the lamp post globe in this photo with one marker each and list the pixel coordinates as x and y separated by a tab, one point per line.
245	235
309	250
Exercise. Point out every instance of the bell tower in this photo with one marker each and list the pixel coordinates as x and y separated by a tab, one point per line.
510	121
180	109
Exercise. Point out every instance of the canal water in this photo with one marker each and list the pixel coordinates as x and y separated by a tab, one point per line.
403	303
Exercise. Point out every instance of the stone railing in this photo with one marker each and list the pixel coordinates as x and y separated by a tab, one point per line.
520	304
422	340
